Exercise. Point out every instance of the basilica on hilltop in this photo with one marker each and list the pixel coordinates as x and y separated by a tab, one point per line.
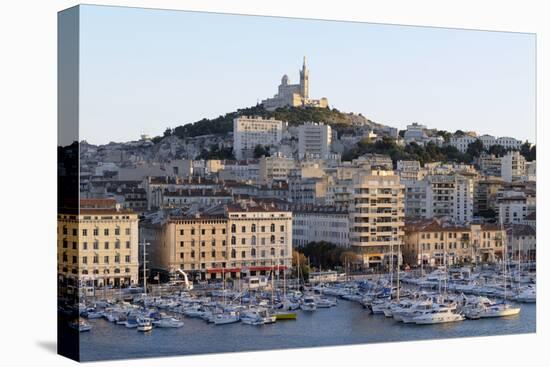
295	95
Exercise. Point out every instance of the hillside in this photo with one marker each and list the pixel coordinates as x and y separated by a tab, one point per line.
293	115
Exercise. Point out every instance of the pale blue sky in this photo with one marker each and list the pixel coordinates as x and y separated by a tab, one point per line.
144	70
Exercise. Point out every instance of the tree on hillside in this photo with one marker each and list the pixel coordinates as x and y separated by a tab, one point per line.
445	135
215	152
528	151
475	148
497	150
261	151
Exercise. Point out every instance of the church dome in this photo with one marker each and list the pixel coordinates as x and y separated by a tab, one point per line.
284	80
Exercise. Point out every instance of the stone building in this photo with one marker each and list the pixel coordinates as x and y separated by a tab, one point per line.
242	239
294	95
434	242
98	246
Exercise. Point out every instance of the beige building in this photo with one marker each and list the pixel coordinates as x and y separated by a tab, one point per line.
251	239
294	95
513	166
485	194
99	245
377	216
276	167
430	241
522	242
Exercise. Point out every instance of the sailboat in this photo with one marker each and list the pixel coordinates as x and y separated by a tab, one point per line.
288	305
500	309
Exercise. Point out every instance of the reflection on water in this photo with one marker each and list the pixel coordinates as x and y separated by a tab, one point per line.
348	323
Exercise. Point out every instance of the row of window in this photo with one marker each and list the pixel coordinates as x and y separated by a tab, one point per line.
95	259
106	245
95	231
253	241
253	228
253	253
95	271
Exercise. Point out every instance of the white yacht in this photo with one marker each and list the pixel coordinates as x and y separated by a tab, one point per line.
482	307
418	309
322	302
527	295
499	310
226	318
438	315
144	324
168	322
308	304
80	325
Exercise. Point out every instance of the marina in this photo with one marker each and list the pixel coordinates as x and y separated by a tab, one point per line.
215	318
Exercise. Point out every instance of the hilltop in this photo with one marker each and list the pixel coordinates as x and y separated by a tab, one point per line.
293	115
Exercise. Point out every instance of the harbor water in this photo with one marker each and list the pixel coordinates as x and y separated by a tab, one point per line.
346	324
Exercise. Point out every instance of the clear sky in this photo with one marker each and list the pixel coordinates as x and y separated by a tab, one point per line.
145	70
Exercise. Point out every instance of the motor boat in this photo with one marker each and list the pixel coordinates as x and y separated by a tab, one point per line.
168	322
226	318
80	325
144	324
438	315
308	304
322	302
132	322
92	314
419	308
482	307
527	295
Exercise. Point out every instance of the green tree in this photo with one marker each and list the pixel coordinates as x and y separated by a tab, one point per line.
528	151
497	150
261	151
475	148
299	261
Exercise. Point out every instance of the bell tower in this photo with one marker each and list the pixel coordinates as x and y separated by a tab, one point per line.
304	80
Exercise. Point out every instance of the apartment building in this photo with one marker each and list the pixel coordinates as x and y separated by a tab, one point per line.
249	132
99	245
314	140
376	216
320	224
276	167
436	242
513	166
450	196
243	239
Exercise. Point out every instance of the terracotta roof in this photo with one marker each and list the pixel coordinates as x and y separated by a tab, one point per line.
98	203
520	230
250	209
91	211
532	216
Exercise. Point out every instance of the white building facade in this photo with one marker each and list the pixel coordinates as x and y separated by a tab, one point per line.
249	132
314	140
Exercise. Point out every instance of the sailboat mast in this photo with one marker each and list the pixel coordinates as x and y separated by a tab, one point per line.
391	269
398	259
